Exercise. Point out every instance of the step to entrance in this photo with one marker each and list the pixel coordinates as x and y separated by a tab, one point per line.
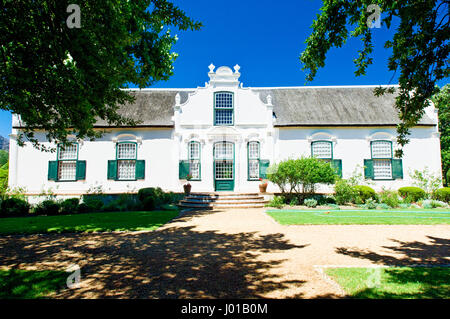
223	200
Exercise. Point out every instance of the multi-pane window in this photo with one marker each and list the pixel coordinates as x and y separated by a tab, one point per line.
223	108
67	162
223	159
382	159
253	160
126	161
322	149
194	160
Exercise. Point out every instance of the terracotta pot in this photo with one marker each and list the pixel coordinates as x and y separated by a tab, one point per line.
262	188
187	188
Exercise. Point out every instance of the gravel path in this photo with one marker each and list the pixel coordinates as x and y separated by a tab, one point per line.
240	253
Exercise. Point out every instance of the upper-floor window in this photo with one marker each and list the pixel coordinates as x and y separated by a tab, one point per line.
382	159
67	162
126	160
322	150
194	160
223	108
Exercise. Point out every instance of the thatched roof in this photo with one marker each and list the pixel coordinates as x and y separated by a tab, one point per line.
151	107
296	106
332	106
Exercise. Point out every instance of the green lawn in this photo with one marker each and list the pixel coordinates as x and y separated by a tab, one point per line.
394	282
124	221
361	217
29	284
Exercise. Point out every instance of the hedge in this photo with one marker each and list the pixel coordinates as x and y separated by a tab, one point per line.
413	193
442	194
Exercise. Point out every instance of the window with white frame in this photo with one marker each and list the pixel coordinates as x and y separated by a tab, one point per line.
382	159
126	160
253	160
194	160
223	108
67	162
322	149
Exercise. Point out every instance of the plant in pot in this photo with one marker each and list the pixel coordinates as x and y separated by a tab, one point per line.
187	187
262	185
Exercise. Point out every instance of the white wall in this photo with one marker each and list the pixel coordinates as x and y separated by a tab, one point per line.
156	148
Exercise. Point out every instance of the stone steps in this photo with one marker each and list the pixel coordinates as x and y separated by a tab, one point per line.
223	200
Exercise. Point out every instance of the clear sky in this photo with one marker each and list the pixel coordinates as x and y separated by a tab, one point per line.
265	38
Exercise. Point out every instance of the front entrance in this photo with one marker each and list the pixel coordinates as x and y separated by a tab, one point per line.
223	154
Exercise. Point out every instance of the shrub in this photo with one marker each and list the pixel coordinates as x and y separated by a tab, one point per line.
389	198
294	202
154	197
431	203
83	208
47	207
383	206
442	194
92	203
412	194
276	201
363	193
344	192
370	203
70	205
125	202
301	175
334	206
310	202
14	207
149	203
426	179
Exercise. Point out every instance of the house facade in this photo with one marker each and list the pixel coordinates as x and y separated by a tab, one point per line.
225	136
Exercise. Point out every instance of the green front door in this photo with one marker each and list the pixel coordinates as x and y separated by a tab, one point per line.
223	166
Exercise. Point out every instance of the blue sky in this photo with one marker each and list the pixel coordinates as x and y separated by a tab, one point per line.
266	39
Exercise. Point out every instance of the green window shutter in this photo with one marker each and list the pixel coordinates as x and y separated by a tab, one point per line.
337	164
140	169
183	169
112	169
397	169
368	169
263	165
52	170
81	170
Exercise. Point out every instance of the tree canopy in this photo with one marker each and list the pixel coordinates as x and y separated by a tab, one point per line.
61	73
442	102
420	48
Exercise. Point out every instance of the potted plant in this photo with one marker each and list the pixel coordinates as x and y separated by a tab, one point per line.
187	187
262	185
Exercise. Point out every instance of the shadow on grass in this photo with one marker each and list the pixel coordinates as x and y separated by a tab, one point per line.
30	284
175	262
431	281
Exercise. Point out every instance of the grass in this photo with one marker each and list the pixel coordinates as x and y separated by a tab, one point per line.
361	217
30	284
393	282
92	222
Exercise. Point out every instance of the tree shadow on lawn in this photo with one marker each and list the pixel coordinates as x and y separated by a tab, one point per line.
176	262
435	282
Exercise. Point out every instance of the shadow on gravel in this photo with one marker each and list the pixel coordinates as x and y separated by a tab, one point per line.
176	262
436	252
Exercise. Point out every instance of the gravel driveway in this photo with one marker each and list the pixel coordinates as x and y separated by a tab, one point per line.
240	253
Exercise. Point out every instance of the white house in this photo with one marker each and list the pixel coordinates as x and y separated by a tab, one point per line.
226	135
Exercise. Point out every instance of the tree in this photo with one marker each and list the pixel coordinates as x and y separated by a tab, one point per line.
62	67
442	102
301	175
420	48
